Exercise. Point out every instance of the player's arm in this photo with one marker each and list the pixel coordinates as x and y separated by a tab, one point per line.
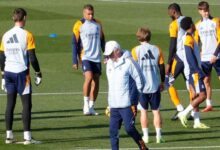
76	44
172	50
2	59
162	68
217	51
2	63
173	30
190	56
33	58
196	33
102	38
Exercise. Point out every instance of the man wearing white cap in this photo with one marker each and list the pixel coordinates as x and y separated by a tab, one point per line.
119	70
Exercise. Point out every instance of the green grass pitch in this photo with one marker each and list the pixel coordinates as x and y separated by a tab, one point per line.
57	116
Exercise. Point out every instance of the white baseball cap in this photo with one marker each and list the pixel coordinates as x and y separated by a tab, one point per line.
111	46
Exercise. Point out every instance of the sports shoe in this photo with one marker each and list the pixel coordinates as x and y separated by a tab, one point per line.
142	145
208	108
93	112
190	117
9	141
145	139
200	126
32	141
175	117
86	110
160	140
182	119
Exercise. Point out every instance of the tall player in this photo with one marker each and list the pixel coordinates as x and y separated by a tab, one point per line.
17	51
208	34
175	65
88	40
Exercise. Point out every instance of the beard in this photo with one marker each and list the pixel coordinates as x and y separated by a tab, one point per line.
172	17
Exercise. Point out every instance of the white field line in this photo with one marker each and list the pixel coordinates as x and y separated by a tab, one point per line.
161	148
151	2
80	93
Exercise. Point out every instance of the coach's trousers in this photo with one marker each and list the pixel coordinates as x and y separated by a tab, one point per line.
117	116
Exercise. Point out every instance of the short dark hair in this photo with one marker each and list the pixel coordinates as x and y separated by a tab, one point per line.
203	5
89	7
19	14
175	7
143	34
186	23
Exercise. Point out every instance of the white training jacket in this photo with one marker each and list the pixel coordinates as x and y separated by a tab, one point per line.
119	74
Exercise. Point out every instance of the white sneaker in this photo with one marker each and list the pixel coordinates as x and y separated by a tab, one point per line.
86	110
160	140
32	141
93	112
200	126
183	119
9	140
145	139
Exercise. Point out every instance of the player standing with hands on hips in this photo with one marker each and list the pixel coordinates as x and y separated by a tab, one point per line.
17	52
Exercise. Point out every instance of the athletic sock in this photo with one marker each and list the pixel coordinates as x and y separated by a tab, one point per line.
27	135
179	107
188	109
9	134
91	103
192	113
174	95
145	132
196	118
158	132
86	100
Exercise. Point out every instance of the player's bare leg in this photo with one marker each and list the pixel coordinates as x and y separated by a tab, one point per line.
144	125
207	82
94	93
158	126
88	75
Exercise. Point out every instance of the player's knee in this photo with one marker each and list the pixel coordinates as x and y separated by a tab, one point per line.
129	129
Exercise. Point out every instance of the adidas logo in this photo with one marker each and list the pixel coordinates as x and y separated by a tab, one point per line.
13	39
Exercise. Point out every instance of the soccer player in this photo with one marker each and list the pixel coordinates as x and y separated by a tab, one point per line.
175	65
151	61
119	70
17	51
196	75
208	34
88	40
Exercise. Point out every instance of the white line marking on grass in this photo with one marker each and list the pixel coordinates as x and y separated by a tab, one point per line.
162	148
80	93
149	2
